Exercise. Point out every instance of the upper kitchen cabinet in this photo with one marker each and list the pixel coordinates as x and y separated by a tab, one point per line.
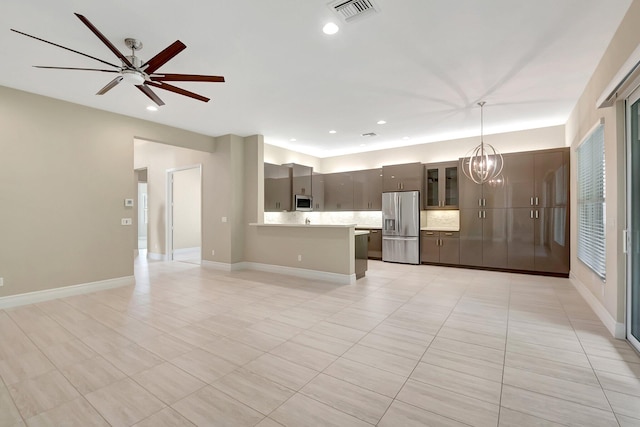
491	194
301	179
551	178
405	177
536	179
441	185
317	191
338	191
277	188
367	190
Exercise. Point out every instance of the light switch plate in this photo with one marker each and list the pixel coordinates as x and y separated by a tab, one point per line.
128	202
125	221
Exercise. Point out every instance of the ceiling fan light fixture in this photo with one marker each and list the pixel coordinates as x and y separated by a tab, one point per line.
132	76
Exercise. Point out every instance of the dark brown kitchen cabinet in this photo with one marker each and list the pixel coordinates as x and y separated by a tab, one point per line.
338	191
441	186
277	188
367	190
483	237
520	238
317	191
301	179
440	247
538	218
405	177
375	242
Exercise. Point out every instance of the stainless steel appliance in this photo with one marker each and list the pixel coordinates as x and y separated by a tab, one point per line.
303	203
401	227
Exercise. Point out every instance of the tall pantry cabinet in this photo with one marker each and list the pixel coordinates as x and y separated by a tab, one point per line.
520	221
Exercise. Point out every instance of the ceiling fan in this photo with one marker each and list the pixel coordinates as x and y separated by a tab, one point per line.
132	70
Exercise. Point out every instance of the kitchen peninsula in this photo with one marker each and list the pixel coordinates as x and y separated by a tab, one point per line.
315	251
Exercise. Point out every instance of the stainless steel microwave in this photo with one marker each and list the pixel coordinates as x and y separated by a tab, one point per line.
303	203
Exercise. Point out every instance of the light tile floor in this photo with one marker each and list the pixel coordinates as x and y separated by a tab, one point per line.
405	346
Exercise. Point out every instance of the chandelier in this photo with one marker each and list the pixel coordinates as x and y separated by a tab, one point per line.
482	164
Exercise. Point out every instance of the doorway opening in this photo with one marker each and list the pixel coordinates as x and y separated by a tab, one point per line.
184	213
143	212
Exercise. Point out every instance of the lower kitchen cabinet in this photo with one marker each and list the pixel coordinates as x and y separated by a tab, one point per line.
440	247
375	242
538	240
483	238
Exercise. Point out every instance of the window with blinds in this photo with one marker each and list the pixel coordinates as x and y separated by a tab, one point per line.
591	198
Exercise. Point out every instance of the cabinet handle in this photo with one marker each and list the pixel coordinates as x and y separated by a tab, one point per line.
480	202
531	203
480	214
448	234
484	214
536	201
531	214
537	216
484	202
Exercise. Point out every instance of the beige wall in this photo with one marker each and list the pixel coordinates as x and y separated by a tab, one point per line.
583	118
65	171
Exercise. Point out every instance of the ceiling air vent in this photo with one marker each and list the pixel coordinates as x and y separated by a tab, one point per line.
369	134
350	10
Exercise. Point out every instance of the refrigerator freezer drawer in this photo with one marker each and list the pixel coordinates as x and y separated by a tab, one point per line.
401	249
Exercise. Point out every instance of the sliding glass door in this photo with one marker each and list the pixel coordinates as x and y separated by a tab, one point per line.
633	219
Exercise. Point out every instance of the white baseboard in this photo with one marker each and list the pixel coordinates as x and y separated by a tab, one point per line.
65	291
342	279
222	266
616	329
157	257
187	251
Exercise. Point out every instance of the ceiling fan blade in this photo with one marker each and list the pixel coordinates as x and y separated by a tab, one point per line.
181	91
73	68
163	57
185	78
63	47
104	40
147	91
113	83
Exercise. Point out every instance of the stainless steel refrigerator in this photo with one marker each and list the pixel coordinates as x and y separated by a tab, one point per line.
401	227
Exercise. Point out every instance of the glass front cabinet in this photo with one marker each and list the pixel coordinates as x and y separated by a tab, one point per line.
441	186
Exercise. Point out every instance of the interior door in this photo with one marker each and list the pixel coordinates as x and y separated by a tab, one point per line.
633	220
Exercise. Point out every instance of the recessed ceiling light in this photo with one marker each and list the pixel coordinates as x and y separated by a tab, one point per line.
381	122
332	131
330	28
152	108
293	140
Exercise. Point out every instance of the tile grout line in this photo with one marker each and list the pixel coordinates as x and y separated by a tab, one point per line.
587	356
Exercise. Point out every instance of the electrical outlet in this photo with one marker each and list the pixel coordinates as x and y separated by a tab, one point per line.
1	281
299	257
213	252
224	219
126	221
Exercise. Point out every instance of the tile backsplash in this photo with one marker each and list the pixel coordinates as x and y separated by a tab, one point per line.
362	218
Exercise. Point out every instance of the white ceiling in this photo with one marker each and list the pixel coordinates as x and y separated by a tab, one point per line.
421	65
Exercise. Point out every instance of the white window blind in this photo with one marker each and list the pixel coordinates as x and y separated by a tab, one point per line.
591	198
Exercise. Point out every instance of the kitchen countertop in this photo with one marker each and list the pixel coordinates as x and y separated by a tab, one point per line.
439	229
303	225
